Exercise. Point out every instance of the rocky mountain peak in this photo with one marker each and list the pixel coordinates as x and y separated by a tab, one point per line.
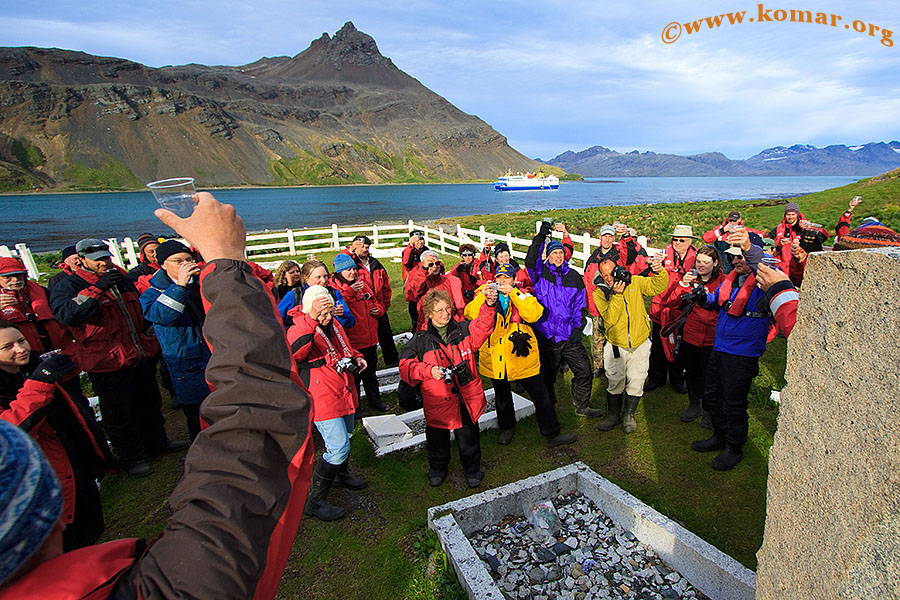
349	46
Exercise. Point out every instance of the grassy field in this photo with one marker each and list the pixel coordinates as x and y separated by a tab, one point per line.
382	550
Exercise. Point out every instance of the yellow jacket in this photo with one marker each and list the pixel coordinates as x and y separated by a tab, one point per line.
496	359
625	315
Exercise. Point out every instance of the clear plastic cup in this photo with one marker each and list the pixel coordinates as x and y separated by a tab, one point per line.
175	194
771	262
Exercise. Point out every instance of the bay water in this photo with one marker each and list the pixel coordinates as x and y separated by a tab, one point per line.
48	222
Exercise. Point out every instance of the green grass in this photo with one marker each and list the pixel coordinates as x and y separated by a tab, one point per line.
382	549
881	199
111	175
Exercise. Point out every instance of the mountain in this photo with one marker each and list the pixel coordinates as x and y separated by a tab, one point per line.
863	160
338	112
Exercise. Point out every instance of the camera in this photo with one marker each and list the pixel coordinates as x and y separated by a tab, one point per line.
346	365
460	371
493	286
620	273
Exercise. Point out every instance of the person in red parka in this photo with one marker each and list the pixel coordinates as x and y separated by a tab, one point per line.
487	269
679	259
467	271
698	329
374	273
429	275
115	346
363	336
44	398
441	360
325	359
25	303
793	231
412	254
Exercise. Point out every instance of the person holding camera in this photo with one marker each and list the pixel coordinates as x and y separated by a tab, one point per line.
560	289
753	302
696	325
25	303
429	275
510	354
328	366
440	360
363	336
795	231
619	298
174	306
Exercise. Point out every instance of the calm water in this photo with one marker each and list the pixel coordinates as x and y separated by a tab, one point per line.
52	221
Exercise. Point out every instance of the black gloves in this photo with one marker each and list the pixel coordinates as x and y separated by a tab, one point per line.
521	343
54	369
462	268
546	226
468	294
698	294
109	279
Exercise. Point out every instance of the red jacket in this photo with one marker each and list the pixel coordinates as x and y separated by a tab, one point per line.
365	332
264	275
418	284
27	407
410	259
469	278
782	231
377	278
700	325
426	350
677	267
843	225
33	317
108	326
333	394
718	233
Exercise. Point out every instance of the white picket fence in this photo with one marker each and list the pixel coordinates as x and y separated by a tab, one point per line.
387	241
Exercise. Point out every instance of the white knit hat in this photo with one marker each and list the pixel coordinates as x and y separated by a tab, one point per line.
312	293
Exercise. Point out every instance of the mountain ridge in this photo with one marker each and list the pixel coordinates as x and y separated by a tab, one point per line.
868	159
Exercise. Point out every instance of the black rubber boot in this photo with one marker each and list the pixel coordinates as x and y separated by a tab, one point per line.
705	420
693	409
613	412
710	444
345	480
316	504
628	423
728	458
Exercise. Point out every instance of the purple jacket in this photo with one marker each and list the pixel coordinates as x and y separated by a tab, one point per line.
560	290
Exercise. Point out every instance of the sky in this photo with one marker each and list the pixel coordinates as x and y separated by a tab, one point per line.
551	75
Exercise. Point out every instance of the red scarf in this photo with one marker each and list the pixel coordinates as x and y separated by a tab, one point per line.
740	301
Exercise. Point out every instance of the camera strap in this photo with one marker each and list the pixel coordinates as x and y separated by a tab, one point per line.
331	349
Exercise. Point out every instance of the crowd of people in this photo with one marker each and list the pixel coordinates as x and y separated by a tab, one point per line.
221	333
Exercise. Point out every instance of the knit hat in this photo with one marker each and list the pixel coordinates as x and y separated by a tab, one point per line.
67	252
733	216
507	269
312	293
429	253
554	245
92	249
146	238
501	247
30	498
792	207
342	262
608	229
12	266
169	248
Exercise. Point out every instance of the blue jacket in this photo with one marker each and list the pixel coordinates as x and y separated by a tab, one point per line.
177	316
347	320
561	291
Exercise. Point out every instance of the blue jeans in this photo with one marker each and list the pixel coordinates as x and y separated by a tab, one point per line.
336	434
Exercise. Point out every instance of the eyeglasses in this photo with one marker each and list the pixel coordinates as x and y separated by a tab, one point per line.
467	254
180	261
445	311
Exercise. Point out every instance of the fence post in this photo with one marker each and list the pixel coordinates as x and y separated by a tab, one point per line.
292	247
4	252
441	242
335	237
482	235
411	225
113	244
537	226
129	252
375	234
30	265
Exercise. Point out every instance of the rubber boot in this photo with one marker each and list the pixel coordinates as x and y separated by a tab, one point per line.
345	480
613	412
705	420
629	425
693	409
715	442
728	458
316	504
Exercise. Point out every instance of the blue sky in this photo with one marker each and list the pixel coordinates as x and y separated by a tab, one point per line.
550	75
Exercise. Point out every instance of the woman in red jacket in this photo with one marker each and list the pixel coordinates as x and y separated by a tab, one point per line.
441	359
326	362
699	330
364	335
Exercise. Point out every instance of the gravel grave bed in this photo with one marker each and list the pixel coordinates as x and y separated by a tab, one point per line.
589	558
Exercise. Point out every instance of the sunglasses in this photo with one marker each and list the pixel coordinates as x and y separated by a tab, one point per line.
467	254
92	249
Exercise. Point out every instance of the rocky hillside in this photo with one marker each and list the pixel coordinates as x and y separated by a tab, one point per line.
863	160
338	112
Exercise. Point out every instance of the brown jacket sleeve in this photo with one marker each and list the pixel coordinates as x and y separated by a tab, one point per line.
237	508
